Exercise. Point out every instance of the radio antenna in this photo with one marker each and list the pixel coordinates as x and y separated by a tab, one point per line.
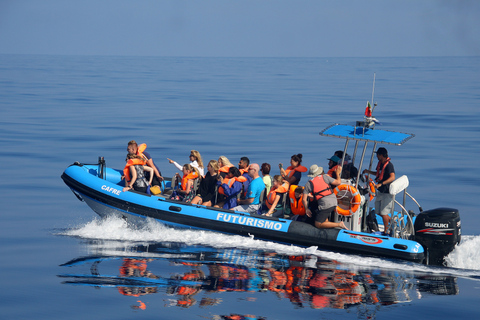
373	92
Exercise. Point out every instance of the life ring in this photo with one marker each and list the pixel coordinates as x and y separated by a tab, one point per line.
371	189
354	200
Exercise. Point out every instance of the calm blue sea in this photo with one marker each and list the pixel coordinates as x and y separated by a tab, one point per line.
59	261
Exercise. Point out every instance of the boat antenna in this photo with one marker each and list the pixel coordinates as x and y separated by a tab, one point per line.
373	91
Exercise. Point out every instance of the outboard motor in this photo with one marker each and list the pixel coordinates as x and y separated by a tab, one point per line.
438	231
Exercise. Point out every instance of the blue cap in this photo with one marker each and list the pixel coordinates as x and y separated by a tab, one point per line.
334	159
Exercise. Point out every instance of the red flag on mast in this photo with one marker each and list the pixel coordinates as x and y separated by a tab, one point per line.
368	110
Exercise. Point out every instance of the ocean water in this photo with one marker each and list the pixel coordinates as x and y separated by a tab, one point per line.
60	261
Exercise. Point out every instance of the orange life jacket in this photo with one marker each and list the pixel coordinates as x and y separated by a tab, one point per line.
296	205
186	177
273	193
140	150
225	168
230	182
381	170
290	171
320	188
331	171
131	162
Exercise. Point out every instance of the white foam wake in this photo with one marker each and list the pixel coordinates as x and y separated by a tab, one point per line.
117	229
465	256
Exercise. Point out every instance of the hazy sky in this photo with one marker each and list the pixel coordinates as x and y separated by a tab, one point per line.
297	28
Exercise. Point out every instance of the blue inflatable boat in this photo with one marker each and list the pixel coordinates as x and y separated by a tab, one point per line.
425	237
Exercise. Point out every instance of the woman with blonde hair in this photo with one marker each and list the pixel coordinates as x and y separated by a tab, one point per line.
195	161
224	164
206	191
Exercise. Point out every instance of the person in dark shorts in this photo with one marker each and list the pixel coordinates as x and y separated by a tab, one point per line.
384	176
322	199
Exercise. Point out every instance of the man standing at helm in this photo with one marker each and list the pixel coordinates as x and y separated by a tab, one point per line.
385	175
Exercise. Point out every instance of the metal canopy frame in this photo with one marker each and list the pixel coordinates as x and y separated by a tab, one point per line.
362	133
366	134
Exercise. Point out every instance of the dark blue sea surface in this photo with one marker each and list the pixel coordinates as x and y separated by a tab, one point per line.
59	261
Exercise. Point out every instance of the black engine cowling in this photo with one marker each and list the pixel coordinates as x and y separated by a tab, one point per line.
438	231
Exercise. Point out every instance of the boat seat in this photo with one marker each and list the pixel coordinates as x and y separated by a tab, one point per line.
263	195
216	195
167	192
196	184
398	185
283	202
401	225
286	205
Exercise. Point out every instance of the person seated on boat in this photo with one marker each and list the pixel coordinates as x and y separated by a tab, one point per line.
243	165
229	188
134	174
322	204
134	148
186	191
206	191
384	176
349	171
332	166
195	161
267	178
278	190
252	203
295	195
224	164
293	174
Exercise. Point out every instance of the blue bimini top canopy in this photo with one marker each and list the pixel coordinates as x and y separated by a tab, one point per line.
366	134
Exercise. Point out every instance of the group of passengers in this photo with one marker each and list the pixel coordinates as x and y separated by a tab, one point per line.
241	188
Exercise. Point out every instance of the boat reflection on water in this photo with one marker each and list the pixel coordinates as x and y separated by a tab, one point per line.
191	275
